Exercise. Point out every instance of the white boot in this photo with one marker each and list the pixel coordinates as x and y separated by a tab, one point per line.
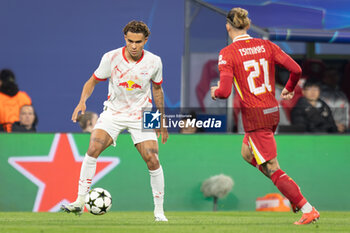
76	207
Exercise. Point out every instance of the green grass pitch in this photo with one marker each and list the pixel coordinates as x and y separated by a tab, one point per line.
142	222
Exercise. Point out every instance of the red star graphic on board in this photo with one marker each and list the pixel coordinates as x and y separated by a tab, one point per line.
57	174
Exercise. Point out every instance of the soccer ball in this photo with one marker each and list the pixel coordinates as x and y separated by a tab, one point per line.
98	201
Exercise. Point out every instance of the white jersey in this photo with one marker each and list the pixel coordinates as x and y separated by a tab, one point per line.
129	87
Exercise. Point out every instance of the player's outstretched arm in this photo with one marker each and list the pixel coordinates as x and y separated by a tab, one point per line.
158	97
85	94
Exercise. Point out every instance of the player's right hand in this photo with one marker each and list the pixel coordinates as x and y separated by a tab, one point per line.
213	89
81	107
212	92
164	133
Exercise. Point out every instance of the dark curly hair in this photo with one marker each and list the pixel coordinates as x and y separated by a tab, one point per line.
137	27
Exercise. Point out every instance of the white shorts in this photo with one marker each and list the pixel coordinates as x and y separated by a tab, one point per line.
114	127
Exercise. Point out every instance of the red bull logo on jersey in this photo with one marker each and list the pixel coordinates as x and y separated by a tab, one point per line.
129	85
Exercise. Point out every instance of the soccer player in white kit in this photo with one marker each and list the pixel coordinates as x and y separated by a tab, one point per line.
130	70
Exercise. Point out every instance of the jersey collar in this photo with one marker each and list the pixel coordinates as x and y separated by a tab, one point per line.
123	52
242	37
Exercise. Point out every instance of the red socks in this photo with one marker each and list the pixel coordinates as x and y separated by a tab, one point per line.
285	185
288	188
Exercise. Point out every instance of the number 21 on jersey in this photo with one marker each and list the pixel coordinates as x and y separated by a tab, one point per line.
255	73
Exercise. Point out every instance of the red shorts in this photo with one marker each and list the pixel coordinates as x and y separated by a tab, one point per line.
262	144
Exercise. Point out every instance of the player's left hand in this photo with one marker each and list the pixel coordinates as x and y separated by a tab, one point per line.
287	95
164	133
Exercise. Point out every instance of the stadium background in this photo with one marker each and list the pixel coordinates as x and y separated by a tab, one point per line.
53	47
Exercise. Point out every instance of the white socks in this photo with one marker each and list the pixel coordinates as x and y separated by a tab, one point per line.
307	208
87	172
157	184
80	200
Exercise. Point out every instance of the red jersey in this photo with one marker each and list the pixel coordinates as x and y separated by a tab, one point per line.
249	64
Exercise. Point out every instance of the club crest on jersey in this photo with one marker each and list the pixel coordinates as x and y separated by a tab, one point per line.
221	61
129	85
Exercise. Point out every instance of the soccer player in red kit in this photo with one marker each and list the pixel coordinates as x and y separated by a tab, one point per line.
249	64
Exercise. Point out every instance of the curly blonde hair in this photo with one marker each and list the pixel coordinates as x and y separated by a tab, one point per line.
238	18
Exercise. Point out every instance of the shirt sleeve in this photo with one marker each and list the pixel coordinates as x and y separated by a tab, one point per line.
225	63
157	76
287	62
104	69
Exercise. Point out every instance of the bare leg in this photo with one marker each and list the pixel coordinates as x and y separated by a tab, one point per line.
99	141
270	167
249	158
287	186
149	152
281	180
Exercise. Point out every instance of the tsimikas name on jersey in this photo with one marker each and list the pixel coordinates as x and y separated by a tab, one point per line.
251	51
